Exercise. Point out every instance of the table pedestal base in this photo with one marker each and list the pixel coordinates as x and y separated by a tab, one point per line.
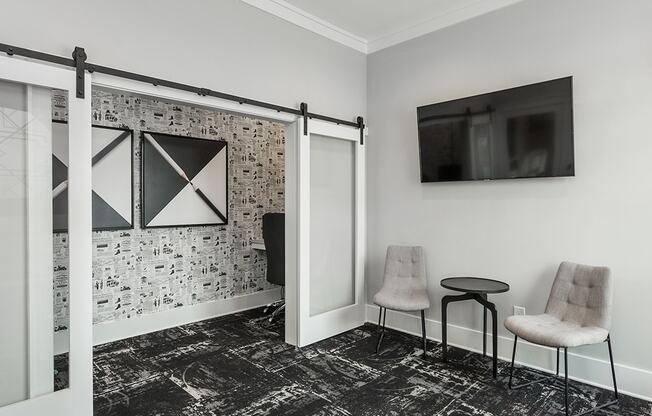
481	299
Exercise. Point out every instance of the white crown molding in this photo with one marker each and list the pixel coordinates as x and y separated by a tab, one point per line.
299	17
479	7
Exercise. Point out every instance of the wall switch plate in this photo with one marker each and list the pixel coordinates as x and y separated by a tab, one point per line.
519	310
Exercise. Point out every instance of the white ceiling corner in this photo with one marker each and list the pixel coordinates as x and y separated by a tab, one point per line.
437	22
371	25
299	17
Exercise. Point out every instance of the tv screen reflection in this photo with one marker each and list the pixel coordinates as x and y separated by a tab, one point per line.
522	132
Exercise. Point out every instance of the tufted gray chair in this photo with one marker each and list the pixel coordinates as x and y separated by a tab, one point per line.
404	287
578	313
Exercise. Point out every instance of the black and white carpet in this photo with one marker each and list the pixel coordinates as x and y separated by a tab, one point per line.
239	365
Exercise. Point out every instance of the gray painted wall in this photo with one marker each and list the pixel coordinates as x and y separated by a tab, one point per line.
520	230
223	45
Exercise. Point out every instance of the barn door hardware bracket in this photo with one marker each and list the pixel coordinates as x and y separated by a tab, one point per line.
79	57
304	113
361	127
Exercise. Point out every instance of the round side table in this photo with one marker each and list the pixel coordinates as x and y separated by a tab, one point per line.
474	288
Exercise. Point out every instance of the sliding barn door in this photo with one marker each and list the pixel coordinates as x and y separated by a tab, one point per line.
331	231
45	359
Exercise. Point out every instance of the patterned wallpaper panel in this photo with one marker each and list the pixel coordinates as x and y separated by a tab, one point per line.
144	271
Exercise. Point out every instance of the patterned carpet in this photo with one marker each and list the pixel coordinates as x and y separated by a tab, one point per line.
239	365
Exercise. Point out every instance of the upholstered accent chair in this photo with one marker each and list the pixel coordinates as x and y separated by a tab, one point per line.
404	287
578	313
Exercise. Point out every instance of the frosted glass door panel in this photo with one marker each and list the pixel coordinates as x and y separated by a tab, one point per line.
27	358
13	222
332	224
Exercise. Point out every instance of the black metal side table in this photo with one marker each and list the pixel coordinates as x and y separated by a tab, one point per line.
474	288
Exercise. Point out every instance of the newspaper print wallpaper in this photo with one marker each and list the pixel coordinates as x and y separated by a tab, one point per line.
144	271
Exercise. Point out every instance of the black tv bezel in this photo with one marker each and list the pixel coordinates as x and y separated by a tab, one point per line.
572	134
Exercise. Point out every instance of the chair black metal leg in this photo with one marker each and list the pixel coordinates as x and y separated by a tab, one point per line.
613	369
273	305
613	375
380	315
566	383
566	380
276	312
484	333
381	329
423	331
511	370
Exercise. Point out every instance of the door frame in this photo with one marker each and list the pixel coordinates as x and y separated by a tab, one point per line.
78	397
294	137
290	122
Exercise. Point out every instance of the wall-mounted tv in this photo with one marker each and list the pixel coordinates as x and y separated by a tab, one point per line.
523	132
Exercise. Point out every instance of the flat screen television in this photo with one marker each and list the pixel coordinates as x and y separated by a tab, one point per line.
523	132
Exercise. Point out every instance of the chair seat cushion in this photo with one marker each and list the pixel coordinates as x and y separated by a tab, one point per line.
552	332
402	298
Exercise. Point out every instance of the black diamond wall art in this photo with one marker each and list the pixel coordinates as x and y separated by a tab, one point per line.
112	180
184	181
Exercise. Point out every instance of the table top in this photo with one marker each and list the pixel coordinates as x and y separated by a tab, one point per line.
474	285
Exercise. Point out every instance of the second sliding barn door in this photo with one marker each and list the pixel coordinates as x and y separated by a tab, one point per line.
331	223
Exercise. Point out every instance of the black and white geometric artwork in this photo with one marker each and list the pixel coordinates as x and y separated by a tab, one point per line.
184	181
112	177
196	264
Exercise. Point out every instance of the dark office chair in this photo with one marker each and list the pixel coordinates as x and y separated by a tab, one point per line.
274	237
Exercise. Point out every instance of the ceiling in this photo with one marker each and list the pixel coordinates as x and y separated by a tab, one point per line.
371	25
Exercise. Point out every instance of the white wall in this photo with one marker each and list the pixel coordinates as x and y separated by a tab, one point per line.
519	230
223	45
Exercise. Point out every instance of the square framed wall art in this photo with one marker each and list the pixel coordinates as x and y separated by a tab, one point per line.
184	181
112	177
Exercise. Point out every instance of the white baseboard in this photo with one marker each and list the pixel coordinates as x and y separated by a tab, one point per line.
632	381
127	328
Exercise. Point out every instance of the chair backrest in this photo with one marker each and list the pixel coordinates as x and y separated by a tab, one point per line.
582	294
405	263
274	237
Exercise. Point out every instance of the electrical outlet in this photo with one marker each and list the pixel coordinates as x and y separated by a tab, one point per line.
519	310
